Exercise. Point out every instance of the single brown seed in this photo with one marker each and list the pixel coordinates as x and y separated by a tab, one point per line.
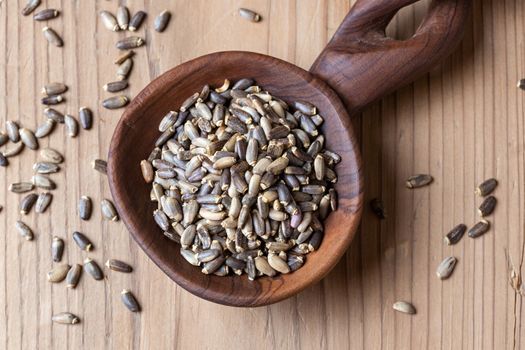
46	15
92	268
43	201
487	207
479	229
147	171
58	273
109	21
85	207
54	89
57	249
131	42
82	241
43	182
45	128
116	86
124	69
86	118
108	210
161	21
53	114
446	267
123	17
30	6
45	167
71	125
249	15
378	209
455	234
65	318
51	155
124	57
404	307
417	181
136	21
486	187
21	187
73	276
129	300
24	230
115	102
28	138
100	166
52	37
117	265
27	203
12	131
15	150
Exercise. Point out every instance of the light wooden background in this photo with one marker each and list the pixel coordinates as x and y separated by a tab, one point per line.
462	123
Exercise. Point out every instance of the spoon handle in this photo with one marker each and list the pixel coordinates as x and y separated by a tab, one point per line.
362	64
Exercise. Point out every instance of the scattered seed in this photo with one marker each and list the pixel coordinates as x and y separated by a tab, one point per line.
27	203
455	235
58	273
65	318
52	156
124	69
487	207
377	207
136	21
82	241
92	268
71	125
115	102
24	230
84	207
73	276
45	128
54	89
53	114
57	249
109	21
43	182
3	138
117	265
486	187
161	21
479	229
86	118
417	181
521	84
124	57
100	166
249	15
123	17
116	86
28	138
3	160
16	149
46	15
43	201
12	131
404	307
108	210
446	267
129	300
52	37
21	187
52	100
31	5
131	42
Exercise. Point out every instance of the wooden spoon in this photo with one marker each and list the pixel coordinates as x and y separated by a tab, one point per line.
358	66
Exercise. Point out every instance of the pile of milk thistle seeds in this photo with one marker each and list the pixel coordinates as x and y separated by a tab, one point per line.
447	265
242	180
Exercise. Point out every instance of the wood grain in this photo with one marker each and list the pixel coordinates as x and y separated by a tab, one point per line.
463	122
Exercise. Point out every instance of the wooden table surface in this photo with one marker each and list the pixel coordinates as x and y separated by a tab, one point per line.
462	123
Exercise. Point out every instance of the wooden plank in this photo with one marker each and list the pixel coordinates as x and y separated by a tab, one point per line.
462	122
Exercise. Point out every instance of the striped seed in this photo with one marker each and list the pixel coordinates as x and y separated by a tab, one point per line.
28	138
85	207
73	276
24	230
52	37
131	42
213	265
100	165
27	202
404	307
136	21
43	182
30	6
53	114
58	273
479	229
117	265
54	88
92	268
57	249
43	201
116	86
21	187
51	155
109	21
161	21
487	207
65	318
86	118
82	241
12	129
129	300
455	234
45	128
46	15
71	125
115	102
123	17
446	267
108	210
419	180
